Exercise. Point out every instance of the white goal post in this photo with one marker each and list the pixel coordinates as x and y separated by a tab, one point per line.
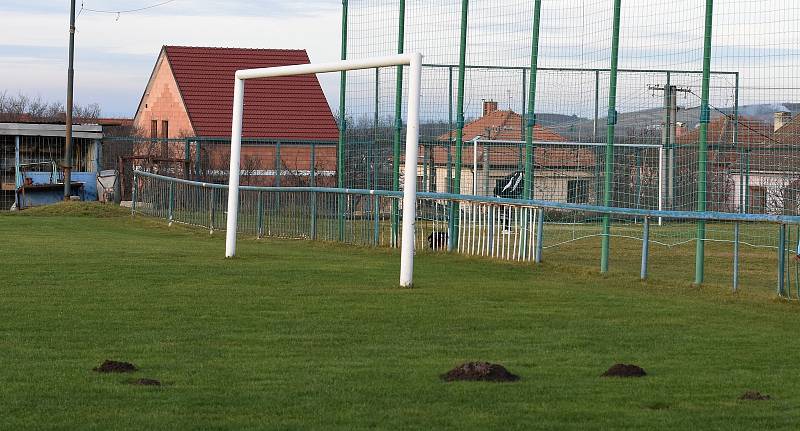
414	61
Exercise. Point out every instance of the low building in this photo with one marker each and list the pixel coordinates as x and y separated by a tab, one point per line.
189	96
31	158
753	166
493	148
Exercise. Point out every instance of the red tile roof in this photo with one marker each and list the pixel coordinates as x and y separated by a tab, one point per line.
503	126
751	133
289	107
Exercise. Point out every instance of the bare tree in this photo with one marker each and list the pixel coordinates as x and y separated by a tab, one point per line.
25	108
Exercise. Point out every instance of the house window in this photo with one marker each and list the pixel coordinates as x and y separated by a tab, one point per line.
154	129
165	129
578	191
757	202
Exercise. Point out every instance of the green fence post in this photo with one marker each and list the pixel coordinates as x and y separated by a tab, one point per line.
197	161
371	150
313	183
376	217
705	118
278	170
260	218
523	110
212	211
781	260
449	188
171	205
342	126
462	58
539	236
736	257
612	121
133	194
527	188
736	138
645	248
398	123
187	159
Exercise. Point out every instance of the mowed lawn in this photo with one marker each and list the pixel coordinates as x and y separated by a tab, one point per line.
302	335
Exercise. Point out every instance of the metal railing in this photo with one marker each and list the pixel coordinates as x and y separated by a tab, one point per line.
508	229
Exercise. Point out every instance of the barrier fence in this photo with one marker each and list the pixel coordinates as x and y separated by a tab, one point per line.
501	228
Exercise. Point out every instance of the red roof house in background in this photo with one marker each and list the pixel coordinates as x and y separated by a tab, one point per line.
502	125
190	93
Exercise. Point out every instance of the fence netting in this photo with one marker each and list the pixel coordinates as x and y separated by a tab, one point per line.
659	132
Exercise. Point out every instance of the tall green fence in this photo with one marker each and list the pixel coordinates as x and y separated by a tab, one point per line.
665	105
694	102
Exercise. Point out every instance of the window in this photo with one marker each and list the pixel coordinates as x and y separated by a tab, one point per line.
165	129
757	201
578	191
154	129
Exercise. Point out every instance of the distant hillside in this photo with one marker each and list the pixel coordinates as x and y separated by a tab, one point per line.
644	121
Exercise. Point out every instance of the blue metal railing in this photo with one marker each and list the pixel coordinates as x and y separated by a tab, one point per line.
311	212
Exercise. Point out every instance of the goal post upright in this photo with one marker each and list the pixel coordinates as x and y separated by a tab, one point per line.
414	62
233	175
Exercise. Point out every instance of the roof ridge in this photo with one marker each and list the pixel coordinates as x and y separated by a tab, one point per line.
233	47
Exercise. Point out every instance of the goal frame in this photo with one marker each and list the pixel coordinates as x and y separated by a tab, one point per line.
414	63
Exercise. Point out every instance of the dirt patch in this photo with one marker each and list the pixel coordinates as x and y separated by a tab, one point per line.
109	366
145	382
624	370
754	396
77	209
480	371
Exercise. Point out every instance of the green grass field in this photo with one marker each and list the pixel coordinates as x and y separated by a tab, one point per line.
301	335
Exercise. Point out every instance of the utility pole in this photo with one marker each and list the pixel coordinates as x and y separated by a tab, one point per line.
70	76
669	134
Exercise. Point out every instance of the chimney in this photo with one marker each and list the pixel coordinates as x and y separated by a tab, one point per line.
781	119
489	106
680	129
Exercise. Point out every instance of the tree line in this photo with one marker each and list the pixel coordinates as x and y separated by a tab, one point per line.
24	108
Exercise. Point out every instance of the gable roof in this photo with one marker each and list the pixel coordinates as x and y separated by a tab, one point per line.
291	107
503	125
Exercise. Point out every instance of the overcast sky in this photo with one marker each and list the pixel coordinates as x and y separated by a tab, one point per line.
760	39
115	55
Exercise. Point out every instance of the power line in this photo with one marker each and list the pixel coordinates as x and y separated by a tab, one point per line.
119	12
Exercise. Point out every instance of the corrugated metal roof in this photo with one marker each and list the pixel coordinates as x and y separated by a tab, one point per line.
289	107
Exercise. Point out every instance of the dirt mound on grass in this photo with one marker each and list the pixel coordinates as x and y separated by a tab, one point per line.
754	396
624	370
109	366
145	382
480	371
77	209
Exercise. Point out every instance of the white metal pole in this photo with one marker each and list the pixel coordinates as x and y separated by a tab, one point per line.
233	181
410	185
660	181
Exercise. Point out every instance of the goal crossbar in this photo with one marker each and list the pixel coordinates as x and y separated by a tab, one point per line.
414	61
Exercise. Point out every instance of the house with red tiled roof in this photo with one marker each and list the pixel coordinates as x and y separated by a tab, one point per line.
190	94
751	164
493	149
773	183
